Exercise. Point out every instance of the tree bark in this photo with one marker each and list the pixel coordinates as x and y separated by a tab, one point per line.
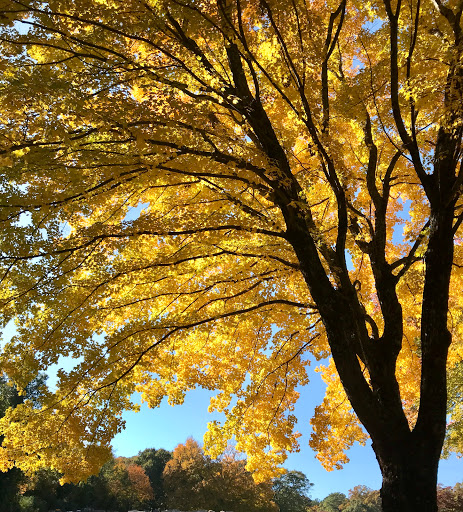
408	458
409	477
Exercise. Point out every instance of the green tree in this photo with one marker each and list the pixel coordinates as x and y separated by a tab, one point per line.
153	462
334	502
97	491
42	489
10	482
117	487
292	491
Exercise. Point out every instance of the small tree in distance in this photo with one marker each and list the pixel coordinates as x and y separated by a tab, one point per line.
450	499
334	502
292	492
363	499
153	462
193	481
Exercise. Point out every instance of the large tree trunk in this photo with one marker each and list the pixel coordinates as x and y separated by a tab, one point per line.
409	471
408	486
408	458
409	461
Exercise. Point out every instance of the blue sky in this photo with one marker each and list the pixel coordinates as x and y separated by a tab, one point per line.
168	426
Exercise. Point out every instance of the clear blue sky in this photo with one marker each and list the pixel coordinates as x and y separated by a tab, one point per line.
168	426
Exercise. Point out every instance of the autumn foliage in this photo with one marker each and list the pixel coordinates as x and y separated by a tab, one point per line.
192	481
217	194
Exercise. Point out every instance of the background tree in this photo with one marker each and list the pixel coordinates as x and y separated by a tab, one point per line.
40	491
216	189
193	481
333	502
94	492
292	491
363	499
236	489
450	499
135	484
186	476
153	462
120	485
11	480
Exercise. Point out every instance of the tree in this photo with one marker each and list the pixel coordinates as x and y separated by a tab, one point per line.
94	492
292	492
334	502
208	194
139	490
236	489
153	462
363	499
193	481
120	485
450	499
186	476
11	480
40	490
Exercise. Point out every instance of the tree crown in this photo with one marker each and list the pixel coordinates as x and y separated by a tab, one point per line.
211	194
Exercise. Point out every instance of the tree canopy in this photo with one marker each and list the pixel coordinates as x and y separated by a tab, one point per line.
333	502
213	193
363	499
292	492
153	462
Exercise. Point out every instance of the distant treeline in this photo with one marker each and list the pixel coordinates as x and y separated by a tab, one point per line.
185	479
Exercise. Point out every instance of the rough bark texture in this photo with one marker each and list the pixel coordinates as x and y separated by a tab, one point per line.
409	478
